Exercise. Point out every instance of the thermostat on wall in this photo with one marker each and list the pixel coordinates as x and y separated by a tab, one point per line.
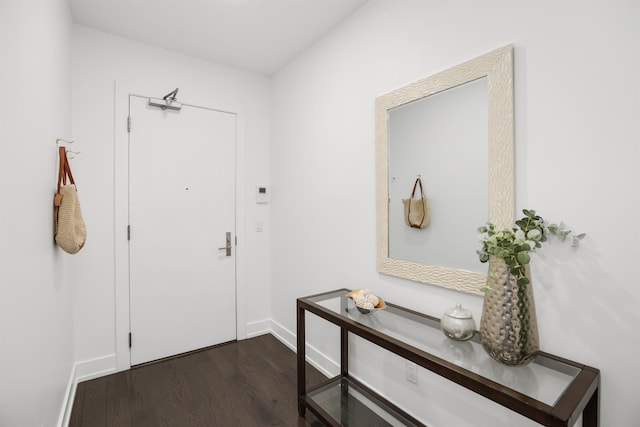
262	194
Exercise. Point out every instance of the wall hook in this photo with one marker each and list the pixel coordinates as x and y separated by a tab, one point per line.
61	143
60	140
72	152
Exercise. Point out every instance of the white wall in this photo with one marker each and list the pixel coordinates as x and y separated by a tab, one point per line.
98	61
577	111
36	334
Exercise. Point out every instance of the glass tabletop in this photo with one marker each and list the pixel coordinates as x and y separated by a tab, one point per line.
544	379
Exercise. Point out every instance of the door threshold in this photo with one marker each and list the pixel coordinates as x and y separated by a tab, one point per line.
176	356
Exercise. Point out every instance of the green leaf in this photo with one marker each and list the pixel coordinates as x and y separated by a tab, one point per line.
513	245
523	257
534	234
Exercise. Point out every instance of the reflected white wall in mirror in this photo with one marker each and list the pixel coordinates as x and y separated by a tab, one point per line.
443	139
455	129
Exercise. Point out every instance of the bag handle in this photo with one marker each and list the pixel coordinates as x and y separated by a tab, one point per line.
418	181
64	169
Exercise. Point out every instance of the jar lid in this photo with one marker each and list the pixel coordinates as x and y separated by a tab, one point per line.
458	312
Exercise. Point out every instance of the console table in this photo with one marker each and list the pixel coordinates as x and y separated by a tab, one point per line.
570	388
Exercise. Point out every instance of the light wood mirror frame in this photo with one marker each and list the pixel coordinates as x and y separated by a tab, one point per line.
497	67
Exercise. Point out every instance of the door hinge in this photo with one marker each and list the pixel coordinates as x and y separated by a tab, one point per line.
128	232
129	339
236	240
128	123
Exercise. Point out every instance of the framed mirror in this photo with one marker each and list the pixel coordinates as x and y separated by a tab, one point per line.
453	130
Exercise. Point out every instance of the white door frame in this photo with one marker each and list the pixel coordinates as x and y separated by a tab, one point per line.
122	90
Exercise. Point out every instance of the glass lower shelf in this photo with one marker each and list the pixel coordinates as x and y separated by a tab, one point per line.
349	404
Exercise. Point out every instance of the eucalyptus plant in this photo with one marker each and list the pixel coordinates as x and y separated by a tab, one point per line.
513	245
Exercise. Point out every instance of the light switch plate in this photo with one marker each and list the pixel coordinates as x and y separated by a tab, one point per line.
412	372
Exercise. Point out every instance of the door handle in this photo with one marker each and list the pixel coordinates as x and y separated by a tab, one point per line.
228	244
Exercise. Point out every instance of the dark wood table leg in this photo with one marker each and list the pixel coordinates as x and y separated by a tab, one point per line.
302	370
344	344
591	413
344	353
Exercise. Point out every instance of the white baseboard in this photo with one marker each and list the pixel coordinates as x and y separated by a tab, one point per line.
258	328
83	371
283	335
67	402
316	358
94	368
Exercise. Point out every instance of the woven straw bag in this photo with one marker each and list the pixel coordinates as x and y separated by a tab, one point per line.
70	230
416	211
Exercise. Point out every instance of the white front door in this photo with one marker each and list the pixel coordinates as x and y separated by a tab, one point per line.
181	210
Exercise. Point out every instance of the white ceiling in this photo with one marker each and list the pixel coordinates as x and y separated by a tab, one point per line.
260	36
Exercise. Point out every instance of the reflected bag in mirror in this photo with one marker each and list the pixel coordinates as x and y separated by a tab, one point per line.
416	211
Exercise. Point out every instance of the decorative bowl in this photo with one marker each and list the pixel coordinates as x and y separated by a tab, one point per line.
366	310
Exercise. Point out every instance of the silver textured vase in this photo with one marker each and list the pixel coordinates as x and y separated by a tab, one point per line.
508	327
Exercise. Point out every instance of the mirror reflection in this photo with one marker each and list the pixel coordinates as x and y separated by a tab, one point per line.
442	139
454	130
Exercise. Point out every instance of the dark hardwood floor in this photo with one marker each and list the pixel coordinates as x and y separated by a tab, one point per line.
245	383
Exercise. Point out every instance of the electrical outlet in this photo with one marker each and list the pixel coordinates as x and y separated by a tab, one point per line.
412	372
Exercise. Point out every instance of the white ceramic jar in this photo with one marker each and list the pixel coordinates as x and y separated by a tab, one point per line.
457	323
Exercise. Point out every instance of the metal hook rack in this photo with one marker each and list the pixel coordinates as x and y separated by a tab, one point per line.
61	143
